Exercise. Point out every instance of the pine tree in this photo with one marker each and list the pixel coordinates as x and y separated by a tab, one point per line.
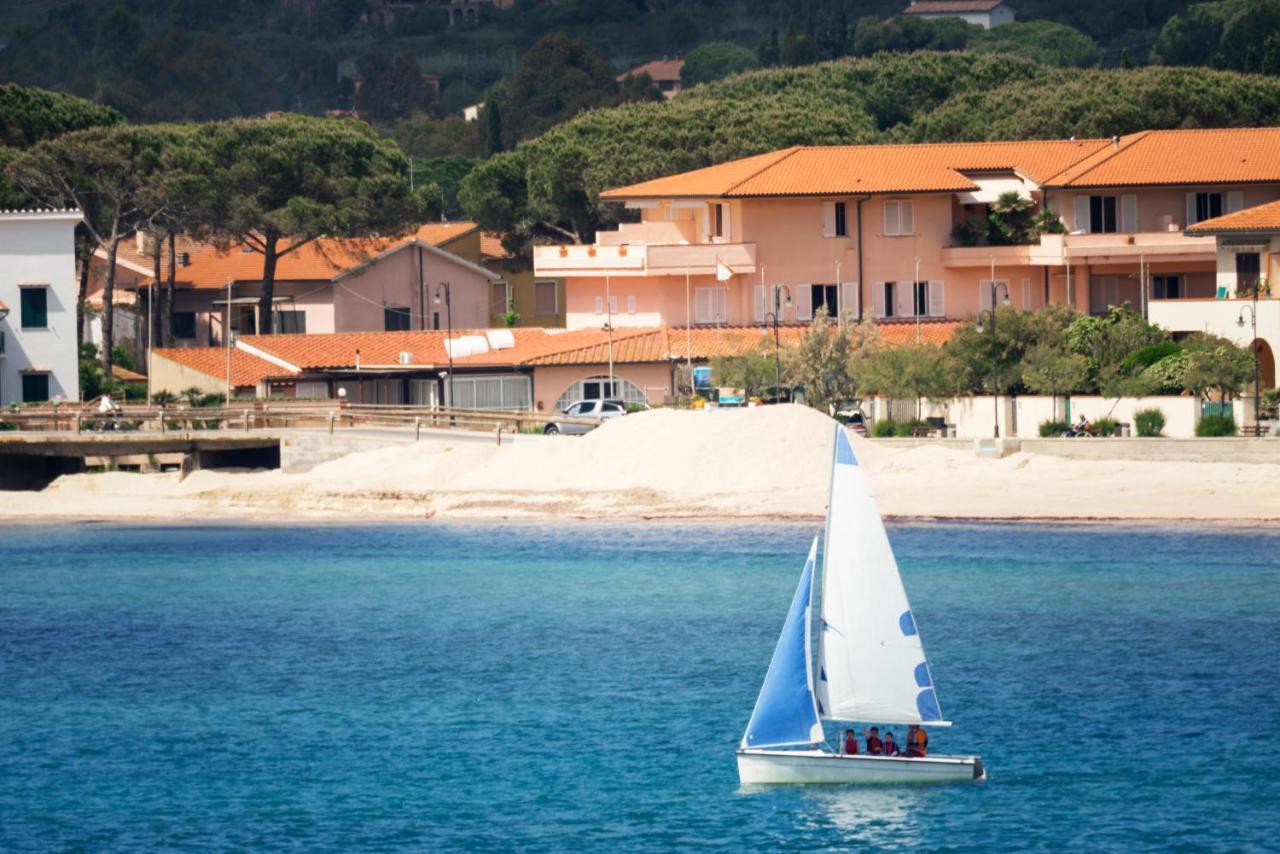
493	128
1271	55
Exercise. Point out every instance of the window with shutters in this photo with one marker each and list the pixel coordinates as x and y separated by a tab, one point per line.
899	218
544	298
824	296
1102	215
631	305
890	299
921	301
35	387
599	305
841	220
1208	206
1166	287
35	307
709	305
717	229
498	298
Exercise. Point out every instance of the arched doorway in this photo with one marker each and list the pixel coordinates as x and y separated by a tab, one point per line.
1266	363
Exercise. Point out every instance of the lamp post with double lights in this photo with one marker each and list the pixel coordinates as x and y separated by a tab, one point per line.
995	370
443	288
778	303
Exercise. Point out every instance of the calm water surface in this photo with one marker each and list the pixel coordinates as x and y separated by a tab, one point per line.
442	686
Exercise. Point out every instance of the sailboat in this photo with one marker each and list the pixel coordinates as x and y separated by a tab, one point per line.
871	666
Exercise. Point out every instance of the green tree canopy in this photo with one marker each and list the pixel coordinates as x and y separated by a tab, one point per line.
1043	41
287	181
713	61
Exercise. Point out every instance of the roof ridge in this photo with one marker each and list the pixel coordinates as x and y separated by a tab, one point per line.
789	152
1120	146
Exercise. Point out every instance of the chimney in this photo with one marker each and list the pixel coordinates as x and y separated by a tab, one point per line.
1115	140
357	360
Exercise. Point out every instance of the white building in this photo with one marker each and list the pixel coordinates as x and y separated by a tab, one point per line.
984	13
38	359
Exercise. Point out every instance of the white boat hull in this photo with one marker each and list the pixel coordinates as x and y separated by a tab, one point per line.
818	766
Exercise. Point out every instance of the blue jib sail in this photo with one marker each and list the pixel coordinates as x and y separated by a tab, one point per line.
785	711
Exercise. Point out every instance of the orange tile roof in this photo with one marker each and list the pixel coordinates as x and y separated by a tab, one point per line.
851	169
126	375
319	260
1180	157
491	246
1149	158
1262	219
945	7
246	368
658	69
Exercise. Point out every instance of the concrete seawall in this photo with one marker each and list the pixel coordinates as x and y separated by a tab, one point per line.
1219	450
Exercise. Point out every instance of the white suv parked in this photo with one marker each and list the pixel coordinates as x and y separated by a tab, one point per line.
598	411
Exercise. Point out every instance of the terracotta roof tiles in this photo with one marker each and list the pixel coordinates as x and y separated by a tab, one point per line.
658	69
246	368
1261	219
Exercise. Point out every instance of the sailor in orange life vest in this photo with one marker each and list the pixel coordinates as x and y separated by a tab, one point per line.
917	741
875	746
850	743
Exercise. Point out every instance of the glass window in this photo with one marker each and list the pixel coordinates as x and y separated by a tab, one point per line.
1208	206
1102	214
890	299
35	388
35	308
719	224
396	319
1166	287
498	298
842	224
291	321
184	324
595	388
544	302
824	296
922	299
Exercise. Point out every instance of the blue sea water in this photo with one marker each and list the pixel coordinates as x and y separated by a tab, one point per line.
489	687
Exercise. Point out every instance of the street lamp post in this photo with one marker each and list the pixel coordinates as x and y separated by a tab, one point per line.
1253	346
778	303
4	312
995	371
443	287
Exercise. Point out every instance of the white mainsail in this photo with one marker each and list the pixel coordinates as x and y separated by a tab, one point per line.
871	664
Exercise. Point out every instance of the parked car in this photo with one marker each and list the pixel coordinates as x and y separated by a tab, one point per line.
852	417
598	411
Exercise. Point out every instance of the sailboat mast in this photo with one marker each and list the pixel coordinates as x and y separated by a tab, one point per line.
826	538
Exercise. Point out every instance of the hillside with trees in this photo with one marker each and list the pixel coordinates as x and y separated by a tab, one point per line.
548	187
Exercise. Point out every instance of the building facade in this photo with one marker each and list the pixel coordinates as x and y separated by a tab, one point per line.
38	290
982	13
896	232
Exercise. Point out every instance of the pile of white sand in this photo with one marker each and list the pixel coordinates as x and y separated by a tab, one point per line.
770	462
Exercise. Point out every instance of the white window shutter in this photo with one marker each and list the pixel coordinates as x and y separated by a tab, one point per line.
759	311
599	305
1129	213
804	302
728	226
937	299
849	299
905	294
984	295
1191	209
877	298
1235	201
1026	294
908	217
631	305
613	305
891	222
701	305
1082	215
719	295
828	219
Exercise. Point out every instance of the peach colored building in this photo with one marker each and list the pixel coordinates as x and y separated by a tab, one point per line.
873	230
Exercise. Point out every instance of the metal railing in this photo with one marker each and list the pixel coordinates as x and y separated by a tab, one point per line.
263	416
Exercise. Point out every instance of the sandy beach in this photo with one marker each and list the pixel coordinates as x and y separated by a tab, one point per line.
761	464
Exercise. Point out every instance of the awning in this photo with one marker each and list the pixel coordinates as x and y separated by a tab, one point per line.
991	187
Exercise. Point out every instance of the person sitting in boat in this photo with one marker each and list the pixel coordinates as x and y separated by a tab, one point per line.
917	741
875	746
890	746
850	743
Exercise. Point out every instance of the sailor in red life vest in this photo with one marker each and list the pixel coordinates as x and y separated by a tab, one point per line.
890	746
875	746
850	743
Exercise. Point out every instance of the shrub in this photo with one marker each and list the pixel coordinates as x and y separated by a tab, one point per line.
1216	425
1148	422
1145	357
884	429
1050	429
903	429
1105	427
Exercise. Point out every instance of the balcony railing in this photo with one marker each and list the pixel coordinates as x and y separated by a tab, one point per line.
647	259
1057	249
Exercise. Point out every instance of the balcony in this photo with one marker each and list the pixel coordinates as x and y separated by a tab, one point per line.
1054	250
1218	316
644	259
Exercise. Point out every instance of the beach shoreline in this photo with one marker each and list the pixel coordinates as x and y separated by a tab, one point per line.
760	466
